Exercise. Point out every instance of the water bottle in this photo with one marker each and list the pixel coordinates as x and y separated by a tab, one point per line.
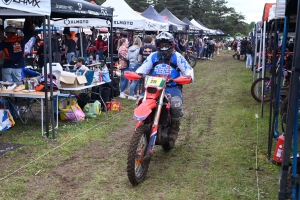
67	69
97	58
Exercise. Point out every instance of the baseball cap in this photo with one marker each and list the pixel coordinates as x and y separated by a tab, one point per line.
9	29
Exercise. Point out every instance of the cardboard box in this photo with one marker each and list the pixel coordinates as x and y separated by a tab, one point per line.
72	82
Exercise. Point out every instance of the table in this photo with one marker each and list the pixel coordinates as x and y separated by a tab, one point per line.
33	95
72	91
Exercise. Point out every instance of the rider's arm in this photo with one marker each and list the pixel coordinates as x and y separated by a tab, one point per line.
146	66
184	66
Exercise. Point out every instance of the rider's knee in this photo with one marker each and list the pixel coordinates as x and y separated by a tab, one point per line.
176	107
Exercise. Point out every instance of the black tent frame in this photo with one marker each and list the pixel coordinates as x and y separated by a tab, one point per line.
65	10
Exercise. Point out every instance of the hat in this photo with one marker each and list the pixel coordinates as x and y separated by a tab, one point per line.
9	29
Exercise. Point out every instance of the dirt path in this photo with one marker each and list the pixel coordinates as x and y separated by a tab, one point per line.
98	171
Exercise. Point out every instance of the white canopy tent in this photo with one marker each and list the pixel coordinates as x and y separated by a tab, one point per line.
25	8
126	17
206	30
277	11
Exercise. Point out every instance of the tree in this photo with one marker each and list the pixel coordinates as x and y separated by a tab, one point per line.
139	6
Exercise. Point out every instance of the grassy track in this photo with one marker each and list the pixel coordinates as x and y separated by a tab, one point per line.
214	158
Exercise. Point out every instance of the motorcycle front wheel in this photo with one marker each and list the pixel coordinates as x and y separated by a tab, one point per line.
256	89
137	164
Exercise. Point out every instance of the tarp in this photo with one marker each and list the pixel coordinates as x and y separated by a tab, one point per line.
78	8
126	17
172	18
25	8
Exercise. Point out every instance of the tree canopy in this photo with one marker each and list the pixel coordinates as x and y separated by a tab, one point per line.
214	14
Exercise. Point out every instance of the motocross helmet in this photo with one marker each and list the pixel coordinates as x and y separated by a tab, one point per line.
165	45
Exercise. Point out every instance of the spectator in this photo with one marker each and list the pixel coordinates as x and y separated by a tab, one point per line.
70	48
244	44
2	37
133	57
56	48
122	53
100	44
249	55
13	48
183	43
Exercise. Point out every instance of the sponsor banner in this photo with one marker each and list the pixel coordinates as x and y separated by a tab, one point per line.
40	7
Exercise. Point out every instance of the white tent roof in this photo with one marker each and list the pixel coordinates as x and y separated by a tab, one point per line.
126	17
25	8
207	30
277	11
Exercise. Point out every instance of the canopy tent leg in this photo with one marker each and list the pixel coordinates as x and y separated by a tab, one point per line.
273	89
263	69
45	77
292	114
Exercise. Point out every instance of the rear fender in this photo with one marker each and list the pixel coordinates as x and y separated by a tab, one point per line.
144	109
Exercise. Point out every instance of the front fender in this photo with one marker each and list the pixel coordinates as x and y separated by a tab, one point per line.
144	109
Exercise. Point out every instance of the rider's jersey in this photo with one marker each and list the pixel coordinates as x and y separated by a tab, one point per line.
164	69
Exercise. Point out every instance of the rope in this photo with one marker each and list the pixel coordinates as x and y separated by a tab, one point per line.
52	150
256	157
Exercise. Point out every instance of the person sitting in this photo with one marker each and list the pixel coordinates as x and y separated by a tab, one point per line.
79	65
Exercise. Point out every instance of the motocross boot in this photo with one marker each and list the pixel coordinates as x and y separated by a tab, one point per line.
175	123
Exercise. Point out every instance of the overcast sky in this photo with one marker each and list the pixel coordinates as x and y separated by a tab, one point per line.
252	9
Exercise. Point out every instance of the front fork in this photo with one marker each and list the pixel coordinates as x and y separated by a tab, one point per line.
150	147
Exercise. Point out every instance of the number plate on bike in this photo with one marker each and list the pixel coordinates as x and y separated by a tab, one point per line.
155	81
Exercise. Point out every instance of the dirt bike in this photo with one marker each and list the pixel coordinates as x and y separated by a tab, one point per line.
189	56
153	124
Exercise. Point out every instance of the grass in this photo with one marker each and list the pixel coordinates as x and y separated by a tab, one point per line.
214	158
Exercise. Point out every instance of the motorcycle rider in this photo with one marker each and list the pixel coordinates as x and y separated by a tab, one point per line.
167	62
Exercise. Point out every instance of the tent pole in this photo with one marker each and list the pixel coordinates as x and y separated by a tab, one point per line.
264	51
292	116
255	52
272	117
51	83
81	42
111	55
45	77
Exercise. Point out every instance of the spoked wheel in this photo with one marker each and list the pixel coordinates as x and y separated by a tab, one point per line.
137	163
256	91
192	61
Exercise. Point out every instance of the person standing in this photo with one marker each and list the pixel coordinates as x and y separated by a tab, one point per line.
56	48
183	42
2	37
133	57
249	55
13	48
70	48
123	66
100	47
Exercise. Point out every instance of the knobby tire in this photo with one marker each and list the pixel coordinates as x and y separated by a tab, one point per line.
141	132
257	83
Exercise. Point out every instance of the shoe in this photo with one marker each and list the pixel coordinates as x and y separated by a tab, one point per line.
131	97
136	96
122	95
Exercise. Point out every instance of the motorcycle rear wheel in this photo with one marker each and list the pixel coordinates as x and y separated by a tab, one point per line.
192	61
137	166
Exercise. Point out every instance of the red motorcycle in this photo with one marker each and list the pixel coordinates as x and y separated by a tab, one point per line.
153	124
